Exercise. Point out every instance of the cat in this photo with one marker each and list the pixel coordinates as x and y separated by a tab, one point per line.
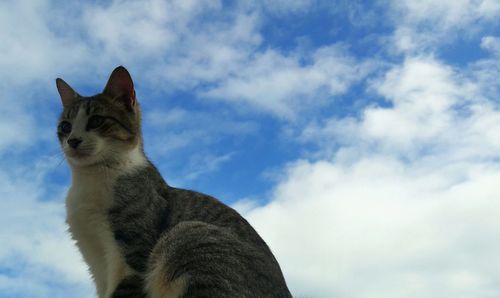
139	236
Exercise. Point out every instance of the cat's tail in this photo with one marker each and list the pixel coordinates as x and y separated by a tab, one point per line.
196	259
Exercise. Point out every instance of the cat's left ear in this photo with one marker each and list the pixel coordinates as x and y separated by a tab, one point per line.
68	95
121	87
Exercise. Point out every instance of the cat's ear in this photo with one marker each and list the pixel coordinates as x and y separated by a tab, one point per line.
68	95
121	87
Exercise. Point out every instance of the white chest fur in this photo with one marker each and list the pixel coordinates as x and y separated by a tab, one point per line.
88	200
87	204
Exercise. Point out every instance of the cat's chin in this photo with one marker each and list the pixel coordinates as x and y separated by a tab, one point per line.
77	159
82	161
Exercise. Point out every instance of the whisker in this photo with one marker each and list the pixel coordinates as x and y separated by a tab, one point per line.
57	155
61	161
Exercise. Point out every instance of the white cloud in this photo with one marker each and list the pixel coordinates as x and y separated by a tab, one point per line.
12	122
204	164
432	108
424	25
37	256
492	44
287	85
210	53
381	228
447	14
245	205
401	200
38	45
422	91
174	49
141	29
170	40
221	59
167	40
178	129
407	206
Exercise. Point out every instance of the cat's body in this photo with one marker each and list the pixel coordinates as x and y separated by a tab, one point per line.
139	236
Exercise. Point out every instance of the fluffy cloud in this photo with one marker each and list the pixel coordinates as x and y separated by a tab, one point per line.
432	108
380	227
407	206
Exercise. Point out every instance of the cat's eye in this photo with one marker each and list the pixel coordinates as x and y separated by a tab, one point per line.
95	121
65	127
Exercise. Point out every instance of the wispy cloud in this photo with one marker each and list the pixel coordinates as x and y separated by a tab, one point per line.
202	165
492	44
288	85
13	118
179	128
427	25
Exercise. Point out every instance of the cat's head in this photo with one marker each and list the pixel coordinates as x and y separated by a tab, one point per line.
100	129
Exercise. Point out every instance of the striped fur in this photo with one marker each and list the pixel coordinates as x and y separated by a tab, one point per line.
140	236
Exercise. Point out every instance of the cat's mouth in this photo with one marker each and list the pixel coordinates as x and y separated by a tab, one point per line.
78	153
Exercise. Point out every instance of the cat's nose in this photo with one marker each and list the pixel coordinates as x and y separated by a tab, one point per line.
74	142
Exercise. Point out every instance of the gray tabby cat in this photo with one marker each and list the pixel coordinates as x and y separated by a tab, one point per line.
139	236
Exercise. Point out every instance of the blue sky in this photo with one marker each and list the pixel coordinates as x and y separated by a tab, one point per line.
360	138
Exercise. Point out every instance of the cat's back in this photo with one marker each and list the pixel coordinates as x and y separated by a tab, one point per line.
226	246
188	205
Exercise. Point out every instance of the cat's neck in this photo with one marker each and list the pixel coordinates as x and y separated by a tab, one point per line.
126	163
